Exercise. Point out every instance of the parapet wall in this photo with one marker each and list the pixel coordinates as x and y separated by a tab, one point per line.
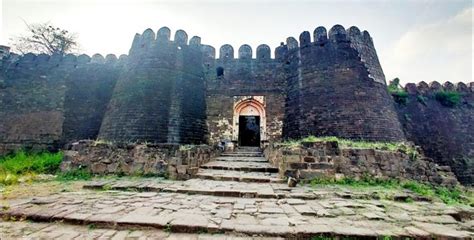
327	160
446	133
171	160
336	87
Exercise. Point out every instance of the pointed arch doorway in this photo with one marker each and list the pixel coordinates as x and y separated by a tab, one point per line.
249	121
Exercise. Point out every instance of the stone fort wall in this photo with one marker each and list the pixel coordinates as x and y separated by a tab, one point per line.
178	91
445	133
46	101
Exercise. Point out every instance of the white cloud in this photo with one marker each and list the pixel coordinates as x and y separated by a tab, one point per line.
440	51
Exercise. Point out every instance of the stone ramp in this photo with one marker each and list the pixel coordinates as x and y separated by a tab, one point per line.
288	218
245	164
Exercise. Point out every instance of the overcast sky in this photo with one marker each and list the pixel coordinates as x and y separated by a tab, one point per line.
416	40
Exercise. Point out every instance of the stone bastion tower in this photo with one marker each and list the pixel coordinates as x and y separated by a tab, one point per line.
160	93
336	87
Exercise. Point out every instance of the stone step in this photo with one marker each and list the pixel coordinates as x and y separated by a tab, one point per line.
241	166
242	154
248	149
239	176
241	159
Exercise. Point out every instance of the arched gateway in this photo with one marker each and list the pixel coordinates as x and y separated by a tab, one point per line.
249	121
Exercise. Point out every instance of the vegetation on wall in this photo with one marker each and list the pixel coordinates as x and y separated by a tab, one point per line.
399	94
361	144
448	98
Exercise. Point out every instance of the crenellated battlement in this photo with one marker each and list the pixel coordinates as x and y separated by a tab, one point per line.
337	34
69	60
149	40
424	88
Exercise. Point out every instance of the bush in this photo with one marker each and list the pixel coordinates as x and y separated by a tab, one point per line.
23	163
448	98
399	94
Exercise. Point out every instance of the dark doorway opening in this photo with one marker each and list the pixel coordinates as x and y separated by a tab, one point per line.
249	131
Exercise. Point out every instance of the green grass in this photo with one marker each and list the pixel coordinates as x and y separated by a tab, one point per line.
21	163
74	175
360	144
448	98
454	195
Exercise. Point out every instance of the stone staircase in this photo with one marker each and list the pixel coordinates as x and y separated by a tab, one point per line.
246	164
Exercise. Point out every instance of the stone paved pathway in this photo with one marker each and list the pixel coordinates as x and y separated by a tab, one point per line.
230	207
269	217
48	231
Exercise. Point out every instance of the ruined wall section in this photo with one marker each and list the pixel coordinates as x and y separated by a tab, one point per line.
159	96
228	78
445	133
332	92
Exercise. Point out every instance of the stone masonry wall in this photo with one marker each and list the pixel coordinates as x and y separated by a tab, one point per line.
328	160
173	160
46	101
445	133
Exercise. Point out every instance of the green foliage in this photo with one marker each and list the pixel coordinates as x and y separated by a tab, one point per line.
454	195
22	163
420	188
365	181
167	228
361	144
91	226
399	94
448	98
74	175
422	99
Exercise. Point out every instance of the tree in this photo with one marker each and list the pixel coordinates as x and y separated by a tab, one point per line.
45	38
